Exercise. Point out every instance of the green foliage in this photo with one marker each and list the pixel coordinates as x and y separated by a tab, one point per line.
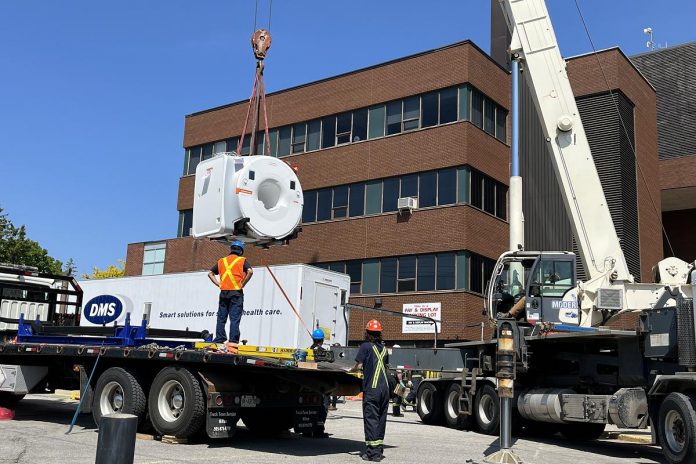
112	270
17	248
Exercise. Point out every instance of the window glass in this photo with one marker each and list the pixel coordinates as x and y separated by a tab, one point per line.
489	195
359	125
260	143
354	270
477	108
328	132
340	201
394	117
153	258
445	271
427	192
387	275
186	222
488	265
376	125
373	202
407	274
489	116
273	137
339	266
409	186
370	272
324	204
309	210
501	201
284	141
245	145
501	124
430	109
462	184
477	189
187	154
207	151
426	272
555	277
462	270
476	273
220	147
194	159
343	127
464	103
448	105
313	134
299	134
390	195
232	144
447	186
411	113
357	200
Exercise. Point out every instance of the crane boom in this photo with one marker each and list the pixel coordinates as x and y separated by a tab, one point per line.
534	43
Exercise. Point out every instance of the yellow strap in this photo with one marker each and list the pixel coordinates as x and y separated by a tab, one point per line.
228	272
380	367
374	443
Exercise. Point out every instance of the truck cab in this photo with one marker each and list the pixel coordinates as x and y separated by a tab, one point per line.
534	287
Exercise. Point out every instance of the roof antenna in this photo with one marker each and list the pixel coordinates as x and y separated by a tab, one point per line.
650	43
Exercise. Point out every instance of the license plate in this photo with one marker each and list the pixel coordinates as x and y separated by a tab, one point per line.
248	401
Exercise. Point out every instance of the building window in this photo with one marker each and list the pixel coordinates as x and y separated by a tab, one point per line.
448	105
406	281
324	204
464	103
411	117
359	125
284	141
309	210
153	258
339	208
328	132
194	159
299	133
427	192
370	276
185	223
409	186
390	195
462	184
477	108
354	270
429	103
445	271
462	270
489	117
477	189
501	201
313	135
387	275
377	115
394	117
501	124
356	203
446	186
426	273
344	123
373	201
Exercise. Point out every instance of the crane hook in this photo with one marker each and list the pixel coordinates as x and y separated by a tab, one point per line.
260	43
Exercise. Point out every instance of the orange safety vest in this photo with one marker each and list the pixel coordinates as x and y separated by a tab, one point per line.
231	270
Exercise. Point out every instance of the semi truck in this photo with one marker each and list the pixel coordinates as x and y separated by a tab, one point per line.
169	378
565	369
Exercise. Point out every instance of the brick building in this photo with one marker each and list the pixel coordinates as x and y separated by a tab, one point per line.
432	126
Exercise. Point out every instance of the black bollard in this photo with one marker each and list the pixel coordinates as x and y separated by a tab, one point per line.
116	444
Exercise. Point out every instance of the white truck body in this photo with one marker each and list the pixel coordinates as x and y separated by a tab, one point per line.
188	300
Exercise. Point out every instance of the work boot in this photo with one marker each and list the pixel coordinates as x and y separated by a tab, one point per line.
396	411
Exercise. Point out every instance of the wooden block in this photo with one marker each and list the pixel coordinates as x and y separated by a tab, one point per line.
307	365
144	436
174	440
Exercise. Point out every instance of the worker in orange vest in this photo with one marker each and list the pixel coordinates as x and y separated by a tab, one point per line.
234	271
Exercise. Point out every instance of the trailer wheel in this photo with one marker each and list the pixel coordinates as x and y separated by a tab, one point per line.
487	410
677	423
429	404
451	410
176	403
581	431
118	391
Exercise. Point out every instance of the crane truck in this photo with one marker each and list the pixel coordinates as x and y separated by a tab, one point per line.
572	372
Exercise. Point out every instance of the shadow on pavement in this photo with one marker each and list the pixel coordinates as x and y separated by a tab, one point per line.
51	410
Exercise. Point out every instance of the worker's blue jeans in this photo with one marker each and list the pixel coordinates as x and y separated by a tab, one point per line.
233	307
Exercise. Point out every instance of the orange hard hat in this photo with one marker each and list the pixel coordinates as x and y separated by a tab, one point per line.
374	326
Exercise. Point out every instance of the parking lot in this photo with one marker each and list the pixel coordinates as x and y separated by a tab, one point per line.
37	435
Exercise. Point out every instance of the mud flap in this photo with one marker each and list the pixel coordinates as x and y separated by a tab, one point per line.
308	420
221	422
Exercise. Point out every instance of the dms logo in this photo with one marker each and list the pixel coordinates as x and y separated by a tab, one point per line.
103	309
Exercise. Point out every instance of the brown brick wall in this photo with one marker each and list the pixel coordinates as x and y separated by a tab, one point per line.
456	64
586	78
134	259
678	172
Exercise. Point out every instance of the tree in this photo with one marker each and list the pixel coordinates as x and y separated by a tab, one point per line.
110	271
17	248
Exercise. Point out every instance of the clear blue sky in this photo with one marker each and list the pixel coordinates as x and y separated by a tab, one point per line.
94	94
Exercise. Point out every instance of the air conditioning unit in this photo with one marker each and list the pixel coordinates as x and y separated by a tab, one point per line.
407	204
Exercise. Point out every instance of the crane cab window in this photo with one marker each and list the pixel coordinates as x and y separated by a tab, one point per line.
555	277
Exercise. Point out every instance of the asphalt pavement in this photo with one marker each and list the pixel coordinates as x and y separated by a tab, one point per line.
37	435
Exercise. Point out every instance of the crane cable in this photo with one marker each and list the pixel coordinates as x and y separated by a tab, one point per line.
623	125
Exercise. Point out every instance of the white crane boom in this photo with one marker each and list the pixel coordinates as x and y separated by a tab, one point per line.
534	42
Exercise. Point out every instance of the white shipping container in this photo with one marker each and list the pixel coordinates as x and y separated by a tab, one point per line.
189	300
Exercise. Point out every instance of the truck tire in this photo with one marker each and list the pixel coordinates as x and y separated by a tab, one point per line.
176	403
270	421
451	408
487	410
118	391
580	431
9	400
676	428
429	404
